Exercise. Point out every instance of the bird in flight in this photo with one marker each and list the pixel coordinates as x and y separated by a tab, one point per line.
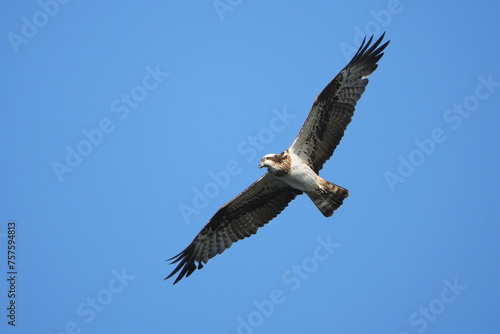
292	172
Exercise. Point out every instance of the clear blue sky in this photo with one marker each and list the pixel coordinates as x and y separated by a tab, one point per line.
115	118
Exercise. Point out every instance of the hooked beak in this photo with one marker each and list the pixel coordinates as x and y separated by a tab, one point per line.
261	164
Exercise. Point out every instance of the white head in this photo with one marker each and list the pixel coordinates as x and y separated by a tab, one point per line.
269	160
277	164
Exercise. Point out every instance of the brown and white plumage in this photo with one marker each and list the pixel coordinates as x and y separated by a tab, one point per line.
292	172
267	197
334	107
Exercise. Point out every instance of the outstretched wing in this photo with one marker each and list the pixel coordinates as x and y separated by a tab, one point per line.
235	220
334	107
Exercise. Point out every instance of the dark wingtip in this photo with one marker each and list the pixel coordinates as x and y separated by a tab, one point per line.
186	265
369	50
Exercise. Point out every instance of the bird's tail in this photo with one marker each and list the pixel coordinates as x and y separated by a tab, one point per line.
329	197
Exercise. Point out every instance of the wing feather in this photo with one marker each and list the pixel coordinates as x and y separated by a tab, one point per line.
334	107
236	220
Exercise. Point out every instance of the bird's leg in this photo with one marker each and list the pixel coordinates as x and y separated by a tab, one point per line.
322	191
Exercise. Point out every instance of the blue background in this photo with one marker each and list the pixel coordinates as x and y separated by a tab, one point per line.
415	246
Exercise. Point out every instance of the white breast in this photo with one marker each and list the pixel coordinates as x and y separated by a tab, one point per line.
301	176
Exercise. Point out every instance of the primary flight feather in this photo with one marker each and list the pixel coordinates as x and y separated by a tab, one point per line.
293	172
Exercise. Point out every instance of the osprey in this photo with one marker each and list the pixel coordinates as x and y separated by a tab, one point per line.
291	173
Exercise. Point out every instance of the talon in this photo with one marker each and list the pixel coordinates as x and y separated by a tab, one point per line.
322	191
